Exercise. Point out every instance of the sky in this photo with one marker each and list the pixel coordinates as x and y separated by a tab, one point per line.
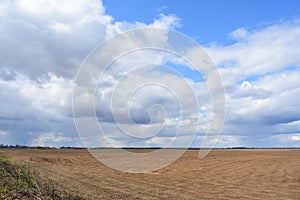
254	45
207	21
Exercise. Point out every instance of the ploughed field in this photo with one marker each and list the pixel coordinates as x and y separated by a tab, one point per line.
223	174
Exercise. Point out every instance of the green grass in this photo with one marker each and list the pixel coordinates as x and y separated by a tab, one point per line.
19	181
5	158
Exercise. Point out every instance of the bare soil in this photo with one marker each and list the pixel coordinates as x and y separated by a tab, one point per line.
223	174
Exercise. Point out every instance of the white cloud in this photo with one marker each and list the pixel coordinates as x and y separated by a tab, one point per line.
290	140
263	51
47	98
51	139
142	110
295	137
261	77
254	69
44	42
239	34
38	37
231	140
166	22
162	22
4	133
60	27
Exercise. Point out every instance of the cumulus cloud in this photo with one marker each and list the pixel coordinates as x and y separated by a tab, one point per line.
43	44
261	76
47	98
263	51
143	101
39	37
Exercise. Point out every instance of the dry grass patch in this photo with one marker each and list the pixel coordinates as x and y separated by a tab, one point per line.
20	181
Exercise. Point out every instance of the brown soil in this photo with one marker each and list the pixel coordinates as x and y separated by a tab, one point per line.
223	174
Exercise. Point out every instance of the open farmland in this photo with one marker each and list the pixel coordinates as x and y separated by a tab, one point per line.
223	174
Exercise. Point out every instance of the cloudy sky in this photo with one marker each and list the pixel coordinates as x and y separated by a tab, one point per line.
254	44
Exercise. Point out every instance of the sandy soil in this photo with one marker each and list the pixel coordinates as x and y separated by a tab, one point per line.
223	174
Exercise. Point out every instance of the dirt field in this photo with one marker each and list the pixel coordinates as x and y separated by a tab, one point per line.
223	174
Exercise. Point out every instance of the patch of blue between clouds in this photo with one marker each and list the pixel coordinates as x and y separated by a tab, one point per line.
183	71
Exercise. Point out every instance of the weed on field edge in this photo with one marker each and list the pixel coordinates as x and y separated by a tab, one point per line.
19	181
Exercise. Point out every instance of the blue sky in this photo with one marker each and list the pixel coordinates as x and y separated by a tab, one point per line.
254	45
207	21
